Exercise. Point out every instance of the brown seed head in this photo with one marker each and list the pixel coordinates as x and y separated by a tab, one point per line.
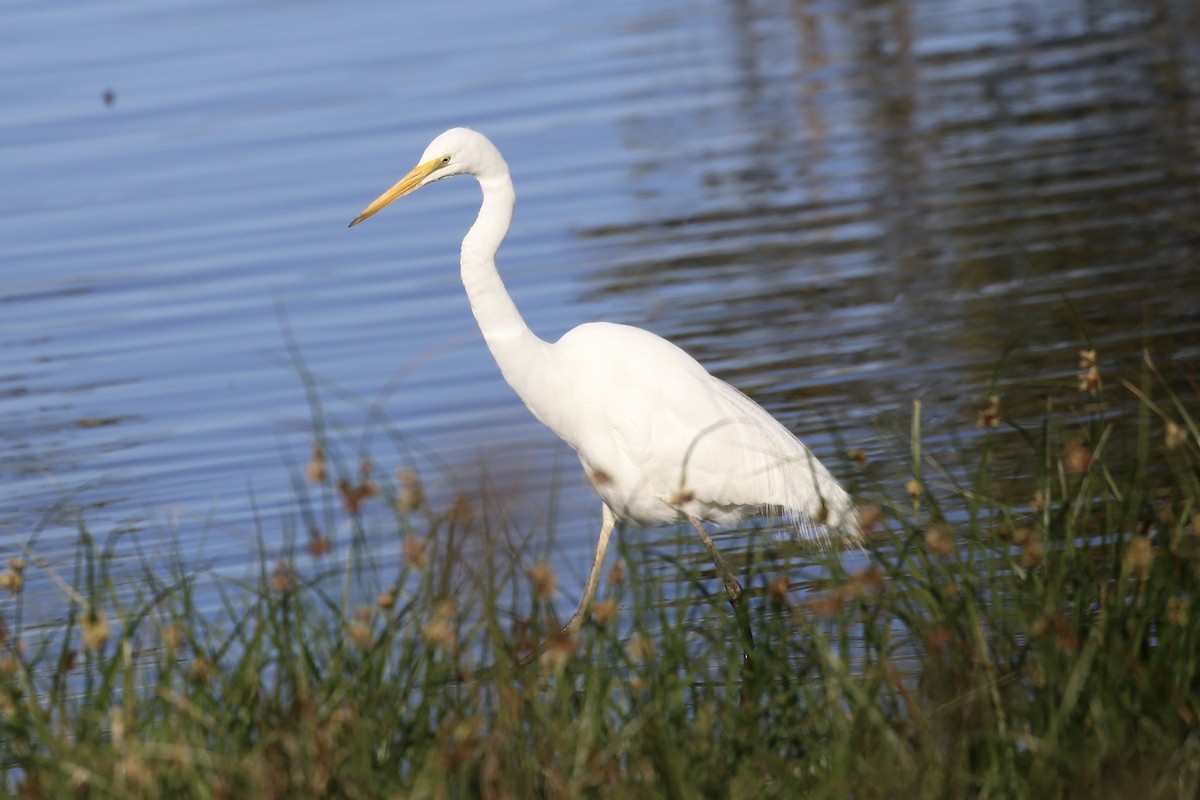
411	495
386	599
1089	381
616	576
353	495
865	580
1055	624
1077	456
280	580
414	552
827	605
12	581
1176	435
93	627
869	518
1032	553
939	539
604	611
317	470
460	512
989	415
318	543
360	634
938	639
439	634
541	577
439	629
558	652
1089	373
778	588
641	647
200	671
1139	557
172	639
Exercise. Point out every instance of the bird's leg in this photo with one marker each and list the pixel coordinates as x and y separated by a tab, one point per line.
593	581
576	622
732	587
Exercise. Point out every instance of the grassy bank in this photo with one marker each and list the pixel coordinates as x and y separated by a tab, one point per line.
1001	636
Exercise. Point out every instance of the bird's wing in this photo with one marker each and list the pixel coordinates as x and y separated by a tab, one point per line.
696	442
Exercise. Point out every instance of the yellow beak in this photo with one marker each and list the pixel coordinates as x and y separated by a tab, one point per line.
405	185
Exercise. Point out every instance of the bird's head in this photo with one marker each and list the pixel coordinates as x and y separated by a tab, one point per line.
454	152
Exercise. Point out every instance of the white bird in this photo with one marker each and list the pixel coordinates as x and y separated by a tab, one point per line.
659	437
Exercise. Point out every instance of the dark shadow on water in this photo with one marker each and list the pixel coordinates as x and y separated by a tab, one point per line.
891	201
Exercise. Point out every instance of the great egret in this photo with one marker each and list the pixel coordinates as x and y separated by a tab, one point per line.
659	437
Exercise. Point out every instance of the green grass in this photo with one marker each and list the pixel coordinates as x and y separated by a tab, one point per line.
1002	635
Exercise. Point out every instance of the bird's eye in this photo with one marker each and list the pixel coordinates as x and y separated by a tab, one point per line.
445	160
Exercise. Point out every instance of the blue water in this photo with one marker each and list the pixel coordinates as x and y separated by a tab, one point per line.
840	207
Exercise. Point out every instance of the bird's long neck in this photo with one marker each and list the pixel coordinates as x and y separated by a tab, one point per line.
519	353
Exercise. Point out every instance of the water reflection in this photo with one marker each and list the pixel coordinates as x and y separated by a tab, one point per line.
889	199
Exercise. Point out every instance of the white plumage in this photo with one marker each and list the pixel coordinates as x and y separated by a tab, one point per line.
659	437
